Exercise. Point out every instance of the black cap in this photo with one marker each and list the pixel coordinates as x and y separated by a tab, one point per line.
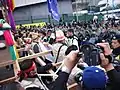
71	30
116	37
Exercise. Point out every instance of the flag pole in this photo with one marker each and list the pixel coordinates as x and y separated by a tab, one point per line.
54	28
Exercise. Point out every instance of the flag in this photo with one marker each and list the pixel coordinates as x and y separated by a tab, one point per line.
12	52
11	20
13	4
52	8
8	38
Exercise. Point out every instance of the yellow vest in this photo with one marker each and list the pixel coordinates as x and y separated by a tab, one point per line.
118	57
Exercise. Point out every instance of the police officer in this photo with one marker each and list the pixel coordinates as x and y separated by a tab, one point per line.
72	38
116	46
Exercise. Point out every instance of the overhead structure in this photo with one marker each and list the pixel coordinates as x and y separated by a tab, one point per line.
8	53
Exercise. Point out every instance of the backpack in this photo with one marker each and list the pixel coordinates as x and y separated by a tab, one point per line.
36	48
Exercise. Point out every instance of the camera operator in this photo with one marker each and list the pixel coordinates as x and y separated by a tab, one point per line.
112	73
69	62
72	59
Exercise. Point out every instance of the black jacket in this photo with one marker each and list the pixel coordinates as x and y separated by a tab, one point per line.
114	78
61	82
116	51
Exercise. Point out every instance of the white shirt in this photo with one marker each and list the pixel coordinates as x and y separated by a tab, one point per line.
55	49
31	82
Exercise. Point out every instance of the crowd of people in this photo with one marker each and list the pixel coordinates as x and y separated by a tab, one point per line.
66	43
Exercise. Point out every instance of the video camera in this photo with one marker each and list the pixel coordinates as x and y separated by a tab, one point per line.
91	54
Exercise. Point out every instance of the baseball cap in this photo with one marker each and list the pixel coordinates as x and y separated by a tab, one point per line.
94	78
116	37
60	36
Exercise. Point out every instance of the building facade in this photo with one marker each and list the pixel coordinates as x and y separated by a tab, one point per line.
31	11
78	5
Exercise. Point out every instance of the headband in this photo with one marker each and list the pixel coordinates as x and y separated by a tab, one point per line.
27	71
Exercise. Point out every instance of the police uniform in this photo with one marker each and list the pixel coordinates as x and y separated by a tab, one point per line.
116	51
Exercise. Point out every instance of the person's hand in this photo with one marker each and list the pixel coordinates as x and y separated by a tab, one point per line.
71	60
45	43
106	46
105	63
53	64
56	64
83	64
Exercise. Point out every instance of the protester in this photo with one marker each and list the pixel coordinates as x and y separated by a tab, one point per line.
59	47
49	32
43	36
11	86
28	74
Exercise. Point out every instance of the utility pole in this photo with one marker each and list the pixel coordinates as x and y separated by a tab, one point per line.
76	1
107	9
113	6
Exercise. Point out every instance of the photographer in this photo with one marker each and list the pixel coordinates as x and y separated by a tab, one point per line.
59	47
69	62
